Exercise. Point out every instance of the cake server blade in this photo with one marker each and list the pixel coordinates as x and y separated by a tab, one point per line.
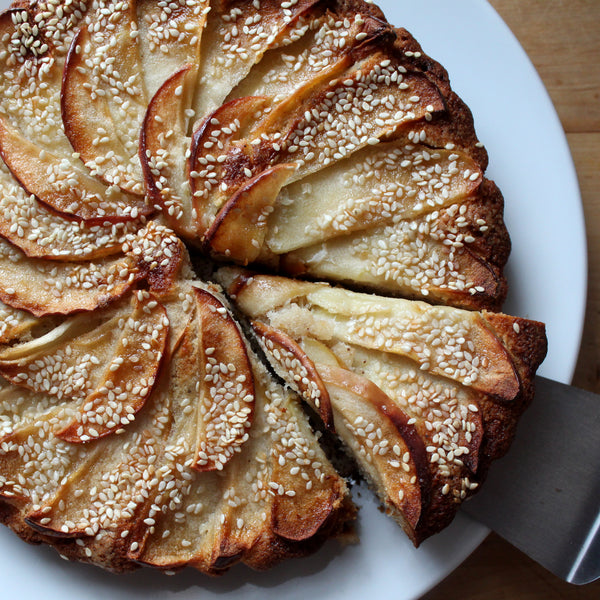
544	496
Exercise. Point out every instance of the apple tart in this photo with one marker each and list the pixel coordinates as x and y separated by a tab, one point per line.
152	389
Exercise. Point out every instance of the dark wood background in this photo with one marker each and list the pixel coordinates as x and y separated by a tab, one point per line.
562	38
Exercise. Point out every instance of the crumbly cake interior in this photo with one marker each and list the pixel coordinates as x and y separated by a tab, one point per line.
214	214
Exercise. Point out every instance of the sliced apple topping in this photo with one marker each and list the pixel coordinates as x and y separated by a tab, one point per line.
34	45
42	233
428	257
45	287
54	181
103	97
240	227
33	462
445	341
329	38
67	361
391	182
129	377
227	403
384	442
169	37
371	100
164	150
237	35
296	368
107	489
210	144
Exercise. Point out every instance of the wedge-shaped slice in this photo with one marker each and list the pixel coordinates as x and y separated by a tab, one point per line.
385	184
213	520
449	342
103	97
128	378
164	150
240	227
45	287
54	181
42	233
402	367
237	35
169	37
227	399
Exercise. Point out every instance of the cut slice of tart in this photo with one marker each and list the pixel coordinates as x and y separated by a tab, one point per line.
419	393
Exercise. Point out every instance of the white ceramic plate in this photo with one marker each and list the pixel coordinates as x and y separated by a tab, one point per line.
530	160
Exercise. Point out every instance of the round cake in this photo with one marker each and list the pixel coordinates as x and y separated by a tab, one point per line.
242	242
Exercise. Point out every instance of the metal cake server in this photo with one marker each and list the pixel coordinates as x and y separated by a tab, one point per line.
544	496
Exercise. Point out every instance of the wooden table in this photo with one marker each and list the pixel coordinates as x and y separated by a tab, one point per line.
562	38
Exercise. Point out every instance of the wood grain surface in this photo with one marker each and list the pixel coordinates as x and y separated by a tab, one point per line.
562	38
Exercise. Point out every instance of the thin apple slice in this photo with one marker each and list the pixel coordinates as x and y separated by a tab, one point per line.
385	184
33	50
329	37
369	101
385	444
66	362
296	368
227	402
45	287
237	35
169	37
210	144
103	97
240	227
33	462
42	233
129	377
433	257
164	150
55	181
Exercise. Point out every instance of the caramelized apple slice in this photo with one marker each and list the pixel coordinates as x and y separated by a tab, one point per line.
103	97
322	127
384	442
32	57
45	287
432	257
237	35
55	181
210	143
296	368
129	376
43	233
239	229
329	37
65	362
164	147
169	37
227	403
33	462
391	182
